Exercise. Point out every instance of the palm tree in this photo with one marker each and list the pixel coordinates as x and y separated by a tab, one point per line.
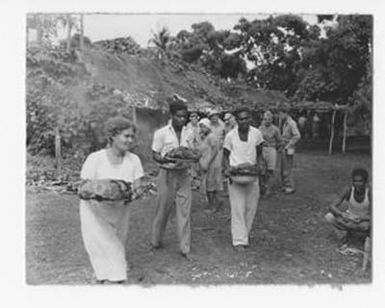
161	40
68	21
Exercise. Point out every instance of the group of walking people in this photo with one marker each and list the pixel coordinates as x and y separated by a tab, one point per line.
222	144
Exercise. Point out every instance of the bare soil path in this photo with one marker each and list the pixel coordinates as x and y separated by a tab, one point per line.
290	242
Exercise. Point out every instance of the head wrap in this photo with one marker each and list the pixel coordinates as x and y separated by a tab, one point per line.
228	115
205	122
268	114
212	112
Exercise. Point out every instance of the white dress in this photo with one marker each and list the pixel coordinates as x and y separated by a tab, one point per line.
104	225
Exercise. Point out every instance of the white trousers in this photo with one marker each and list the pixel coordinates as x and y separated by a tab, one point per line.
244	202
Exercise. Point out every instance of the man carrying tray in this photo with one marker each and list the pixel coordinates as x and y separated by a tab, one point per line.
243	147
174	181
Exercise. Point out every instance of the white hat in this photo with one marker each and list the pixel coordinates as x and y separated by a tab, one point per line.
212	112
205	122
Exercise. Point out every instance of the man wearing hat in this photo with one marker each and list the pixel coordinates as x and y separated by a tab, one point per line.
218	129
193	127
290	136
216	124
210	165
272	141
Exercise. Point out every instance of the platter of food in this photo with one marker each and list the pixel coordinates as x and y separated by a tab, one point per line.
244	174
183	154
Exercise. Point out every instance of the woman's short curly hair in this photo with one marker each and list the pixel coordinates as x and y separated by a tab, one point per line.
114	126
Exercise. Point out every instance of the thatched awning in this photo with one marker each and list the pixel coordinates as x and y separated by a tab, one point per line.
319	106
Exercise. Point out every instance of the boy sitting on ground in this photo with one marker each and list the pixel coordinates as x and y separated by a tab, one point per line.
357	218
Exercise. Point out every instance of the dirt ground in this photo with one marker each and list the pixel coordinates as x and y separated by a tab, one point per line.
290	242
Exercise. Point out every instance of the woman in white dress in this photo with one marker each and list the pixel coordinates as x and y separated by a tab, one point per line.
104	224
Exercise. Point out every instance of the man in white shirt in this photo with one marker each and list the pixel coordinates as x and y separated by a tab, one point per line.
290	137
243	145
174	182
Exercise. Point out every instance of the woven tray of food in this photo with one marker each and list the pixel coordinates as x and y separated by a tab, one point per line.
184	154
244	174
105	190
245	170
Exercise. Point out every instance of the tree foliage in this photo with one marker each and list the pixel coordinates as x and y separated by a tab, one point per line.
339	61
47	25
161	39
327	62
210	48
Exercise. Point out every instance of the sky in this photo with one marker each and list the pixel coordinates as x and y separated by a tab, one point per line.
140	27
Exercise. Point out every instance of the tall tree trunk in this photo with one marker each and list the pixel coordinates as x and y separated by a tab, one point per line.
332	133
58	154
134	115
81	31
69	28
345	131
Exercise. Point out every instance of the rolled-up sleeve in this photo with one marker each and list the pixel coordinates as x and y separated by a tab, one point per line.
89	168
278	137
187	138
138	172
227	144
295	134
258	138
157	142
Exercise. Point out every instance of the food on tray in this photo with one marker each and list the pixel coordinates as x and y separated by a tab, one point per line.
252	170
184	153
105	190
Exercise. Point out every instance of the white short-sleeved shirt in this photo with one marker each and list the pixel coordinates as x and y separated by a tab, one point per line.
243	151
165	139
97	166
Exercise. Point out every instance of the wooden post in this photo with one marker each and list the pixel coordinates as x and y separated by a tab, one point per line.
134	114
58	155
345	131
332	133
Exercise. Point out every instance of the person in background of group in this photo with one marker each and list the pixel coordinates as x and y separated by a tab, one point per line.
217	126
174	181
193	127
290	136
211	165
272	141
104	225
302	124
243	145
357	217
230	122
315	126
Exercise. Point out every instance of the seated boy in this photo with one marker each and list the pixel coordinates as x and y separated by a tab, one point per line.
357	218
